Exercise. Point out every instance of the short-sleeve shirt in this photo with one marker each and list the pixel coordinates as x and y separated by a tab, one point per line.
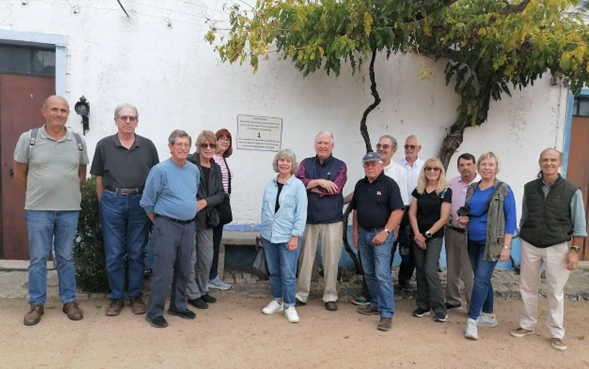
120	167
428	209
374	202
53	182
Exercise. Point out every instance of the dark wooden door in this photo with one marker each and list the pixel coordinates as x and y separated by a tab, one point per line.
578	166
21	98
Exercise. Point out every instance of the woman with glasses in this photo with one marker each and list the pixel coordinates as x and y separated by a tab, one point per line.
428	214
224	150
210	193
491	223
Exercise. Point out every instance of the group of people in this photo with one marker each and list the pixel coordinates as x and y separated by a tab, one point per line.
409	206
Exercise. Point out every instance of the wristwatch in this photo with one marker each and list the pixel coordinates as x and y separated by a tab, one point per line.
428	234
387	231
506	247
576	249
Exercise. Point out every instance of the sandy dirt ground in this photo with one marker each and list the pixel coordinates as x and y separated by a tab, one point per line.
234	334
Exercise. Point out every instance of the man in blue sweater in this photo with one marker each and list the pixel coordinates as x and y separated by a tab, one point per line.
169	199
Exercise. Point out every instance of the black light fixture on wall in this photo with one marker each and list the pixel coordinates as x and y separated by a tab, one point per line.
82	108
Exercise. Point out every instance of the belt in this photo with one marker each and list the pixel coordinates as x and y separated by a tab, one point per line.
459	230
377	229
125	191
175	220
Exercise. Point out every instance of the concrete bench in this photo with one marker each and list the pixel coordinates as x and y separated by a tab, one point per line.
235	238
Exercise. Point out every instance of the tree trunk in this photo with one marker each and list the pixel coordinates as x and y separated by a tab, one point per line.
366	137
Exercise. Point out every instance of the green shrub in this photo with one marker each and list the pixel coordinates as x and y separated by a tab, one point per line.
89	246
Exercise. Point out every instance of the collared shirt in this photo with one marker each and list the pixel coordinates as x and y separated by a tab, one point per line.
170	190
459	189
413	172
53	182
375	201
399	174
120	167
289	220
577	212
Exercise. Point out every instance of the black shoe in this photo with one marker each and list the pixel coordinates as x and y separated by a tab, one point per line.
157	322
208	298
299	302
331	306
199	303
420	313
186	314
441	317
147	274
450	307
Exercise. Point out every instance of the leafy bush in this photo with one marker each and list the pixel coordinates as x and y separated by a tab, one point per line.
89	246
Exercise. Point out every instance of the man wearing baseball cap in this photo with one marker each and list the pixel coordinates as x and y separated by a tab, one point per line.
378	208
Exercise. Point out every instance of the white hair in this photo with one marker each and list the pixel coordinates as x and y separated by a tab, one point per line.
325	133
416	137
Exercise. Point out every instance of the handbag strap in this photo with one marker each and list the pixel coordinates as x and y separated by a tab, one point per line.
228	176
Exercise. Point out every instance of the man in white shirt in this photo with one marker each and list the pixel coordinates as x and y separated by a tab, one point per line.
412	165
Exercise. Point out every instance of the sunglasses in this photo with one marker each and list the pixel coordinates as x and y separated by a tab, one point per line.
129	118
412	147
431	169
205	145
385	146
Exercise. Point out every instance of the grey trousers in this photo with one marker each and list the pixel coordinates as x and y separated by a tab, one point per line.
202	257
172	245
429	288
458	267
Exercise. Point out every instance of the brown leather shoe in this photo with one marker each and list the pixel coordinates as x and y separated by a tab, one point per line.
73	311
385	324
114	307
138	306
34	315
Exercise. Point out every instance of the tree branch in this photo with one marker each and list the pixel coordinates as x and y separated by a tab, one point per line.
511	9
371	107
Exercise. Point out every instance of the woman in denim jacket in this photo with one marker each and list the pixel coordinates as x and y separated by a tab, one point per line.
284	214
491	225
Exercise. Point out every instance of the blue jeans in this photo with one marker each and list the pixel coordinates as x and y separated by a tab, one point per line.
47	228
125	229
376	262
282	267
482	291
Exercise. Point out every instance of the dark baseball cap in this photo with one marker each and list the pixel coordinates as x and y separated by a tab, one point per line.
371	156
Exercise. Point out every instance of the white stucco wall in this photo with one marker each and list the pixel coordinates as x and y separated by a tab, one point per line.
158	60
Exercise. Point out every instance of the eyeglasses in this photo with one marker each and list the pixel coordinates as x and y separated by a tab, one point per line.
225	139
205	145
410	147
431	169
385	146
129	118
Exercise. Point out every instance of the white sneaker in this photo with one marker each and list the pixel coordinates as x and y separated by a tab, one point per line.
484	321
470	330
291	314
273	307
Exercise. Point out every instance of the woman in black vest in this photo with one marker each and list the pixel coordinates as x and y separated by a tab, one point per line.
428	214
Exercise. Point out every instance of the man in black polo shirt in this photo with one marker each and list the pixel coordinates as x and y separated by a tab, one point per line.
378	208
121	165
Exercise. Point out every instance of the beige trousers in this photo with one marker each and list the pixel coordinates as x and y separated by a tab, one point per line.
458	267
555	259
331	251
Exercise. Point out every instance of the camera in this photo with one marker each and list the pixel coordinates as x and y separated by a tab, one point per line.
464	211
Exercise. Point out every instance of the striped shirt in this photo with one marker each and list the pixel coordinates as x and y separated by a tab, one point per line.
225	172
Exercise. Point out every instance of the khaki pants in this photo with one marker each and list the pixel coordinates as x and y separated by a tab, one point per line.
458	267
331	251
555	259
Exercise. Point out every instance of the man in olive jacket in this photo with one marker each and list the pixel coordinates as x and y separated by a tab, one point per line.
210	193
552	228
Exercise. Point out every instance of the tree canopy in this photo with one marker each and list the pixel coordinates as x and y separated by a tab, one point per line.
489	46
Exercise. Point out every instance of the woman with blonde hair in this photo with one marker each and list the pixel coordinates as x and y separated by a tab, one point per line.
428	214
491	223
